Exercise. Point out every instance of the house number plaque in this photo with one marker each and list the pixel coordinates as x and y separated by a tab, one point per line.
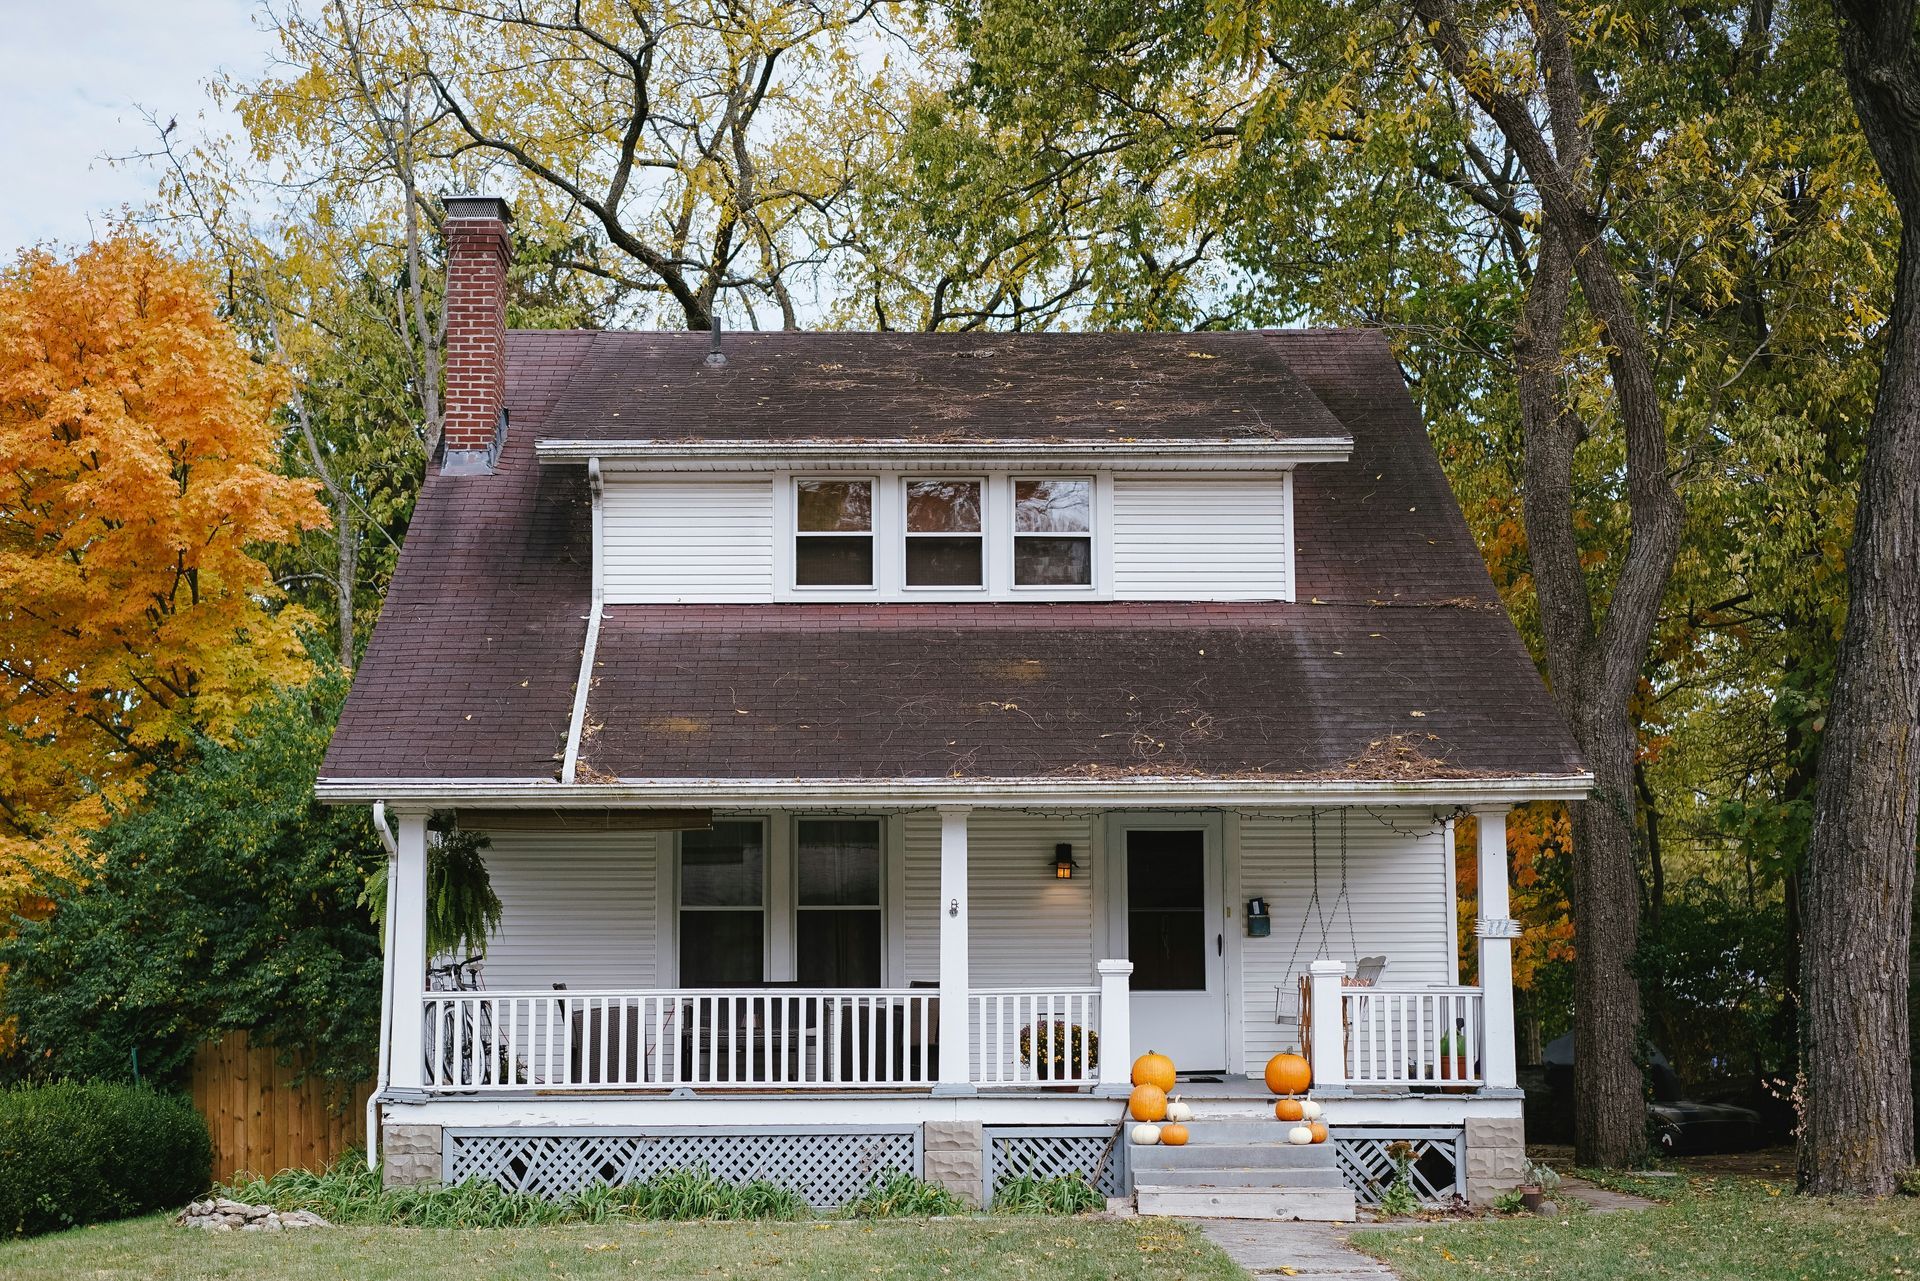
1496	927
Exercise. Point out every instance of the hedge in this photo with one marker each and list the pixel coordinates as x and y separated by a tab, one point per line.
75	1153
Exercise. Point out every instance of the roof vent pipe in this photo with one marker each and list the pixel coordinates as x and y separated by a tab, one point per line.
715	357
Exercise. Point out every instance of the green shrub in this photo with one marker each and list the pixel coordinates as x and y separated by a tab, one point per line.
73	1154
349	1193
1509	1202
1910	1183
1062	1194
902	1196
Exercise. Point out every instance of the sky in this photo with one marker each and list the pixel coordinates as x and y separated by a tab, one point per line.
73	75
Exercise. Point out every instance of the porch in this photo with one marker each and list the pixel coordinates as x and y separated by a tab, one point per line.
1023	959
958	950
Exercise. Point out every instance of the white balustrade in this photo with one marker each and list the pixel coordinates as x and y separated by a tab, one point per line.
752	1038
1429	1036
1035	1036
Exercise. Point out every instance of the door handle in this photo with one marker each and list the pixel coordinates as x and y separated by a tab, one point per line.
1219	945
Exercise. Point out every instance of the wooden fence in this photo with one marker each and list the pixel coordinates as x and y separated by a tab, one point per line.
262	1122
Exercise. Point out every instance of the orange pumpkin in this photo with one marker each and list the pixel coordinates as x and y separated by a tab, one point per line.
1319	1132
1147	1103
1289	1110
1155	1069
1173	1135
1288	1074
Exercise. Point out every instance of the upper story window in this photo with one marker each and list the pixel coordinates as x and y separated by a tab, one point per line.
945	534
1052	532
833	538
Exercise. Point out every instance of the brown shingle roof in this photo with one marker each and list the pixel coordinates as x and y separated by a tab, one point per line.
1024	691
1067	387
470	673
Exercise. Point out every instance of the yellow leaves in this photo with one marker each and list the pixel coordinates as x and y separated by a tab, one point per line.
140	440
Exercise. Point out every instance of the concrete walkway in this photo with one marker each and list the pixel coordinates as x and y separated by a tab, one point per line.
1307	1251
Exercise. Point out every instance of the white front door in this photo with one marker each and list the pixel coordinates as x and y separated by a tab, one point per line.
1166	877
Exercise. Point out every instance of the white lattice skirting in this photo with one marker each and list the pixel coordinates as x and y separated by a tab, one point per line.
1438	1163
1095	1154
826	1168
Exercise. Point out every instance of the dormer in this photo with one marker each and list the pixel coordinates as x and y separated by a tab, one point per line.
942	468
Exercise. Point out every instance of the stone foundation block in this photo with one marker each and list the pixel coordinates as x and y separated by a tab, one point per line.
1496	1156
956	1158
410	1155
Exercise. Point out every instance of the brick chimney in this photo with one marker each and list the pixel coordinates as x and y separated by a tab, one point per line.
473	411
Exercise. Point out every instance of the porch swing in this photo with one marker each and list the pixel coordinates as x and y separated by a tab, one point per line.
1290	996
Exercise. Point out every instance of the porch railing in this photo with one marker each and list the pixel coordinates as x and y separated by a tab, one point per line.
1429	1036
781	1038
1035	1036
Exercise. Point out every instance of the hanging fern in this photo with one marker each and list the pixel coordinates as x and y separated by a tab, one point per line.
462	909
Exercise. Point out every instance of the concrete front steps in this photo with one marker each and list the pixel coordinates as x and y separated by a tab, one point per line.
1241	1168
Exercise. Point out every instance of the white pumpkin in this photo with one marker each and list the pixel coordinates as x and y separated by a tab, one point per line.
1310	1110
1300	1134
1177	1112
1150	1134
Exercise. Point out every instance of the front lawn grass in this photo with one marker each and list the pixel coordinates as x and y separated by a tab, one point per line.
1709	1230
1050	1249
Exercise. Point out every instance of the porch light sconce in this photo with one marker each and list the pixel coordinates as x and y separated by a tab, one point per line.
1063	861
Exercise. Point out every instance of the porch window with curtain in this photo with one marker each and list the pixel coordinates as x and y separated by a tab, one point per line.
723	905
837	908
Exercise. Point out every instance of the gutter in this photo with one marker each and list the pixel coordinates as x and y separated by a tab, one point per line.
383	1073
1119	455
984	793
570	767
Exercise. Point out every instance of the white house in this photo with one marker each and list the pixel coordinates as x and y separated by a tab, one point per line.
882	738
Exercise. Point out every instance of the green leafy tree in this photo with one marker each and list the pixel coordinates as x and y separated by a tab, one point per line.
230	901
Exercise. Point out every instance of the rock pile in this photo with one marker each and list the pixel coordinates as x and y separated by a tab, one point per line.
218	1214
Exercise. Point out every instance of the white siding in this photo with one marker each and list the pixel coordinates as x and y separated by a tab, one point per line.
1399	886
1028	926
1200	538
576	908
696	538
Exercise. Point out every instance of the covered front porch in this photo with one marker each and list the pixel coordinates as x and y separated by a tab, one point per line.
956	952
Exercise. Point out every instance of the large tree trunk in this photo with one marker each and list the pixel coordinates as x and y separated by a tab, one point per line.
1609	1125
1593	666
1595	660
1857	1126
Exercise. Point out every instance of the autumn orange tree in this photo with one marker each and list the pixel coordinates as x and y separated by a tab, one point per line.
137	442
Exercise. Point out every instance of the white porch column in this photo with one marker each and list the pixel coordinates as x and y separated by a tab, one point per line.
1496	931
1327	1049
407	908
956	1025
1116	1028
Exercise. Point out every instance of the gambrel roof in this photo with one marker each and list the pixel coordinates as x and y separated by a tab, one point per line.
1396	661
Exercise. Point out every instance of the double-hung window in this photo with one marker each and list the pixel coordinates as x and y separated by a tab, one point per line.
1052	532
944	534
837	919
833	533
723	905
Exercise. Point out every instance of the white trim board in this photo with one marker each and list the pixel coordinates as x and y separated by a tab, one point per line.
1135	455
417	795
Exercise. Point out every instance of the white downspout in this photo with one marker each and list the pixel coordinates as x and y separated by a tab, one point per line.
386	991
570	767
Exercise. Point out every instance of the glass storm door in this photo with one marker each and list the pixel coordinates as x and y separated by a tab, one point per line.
1175	939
